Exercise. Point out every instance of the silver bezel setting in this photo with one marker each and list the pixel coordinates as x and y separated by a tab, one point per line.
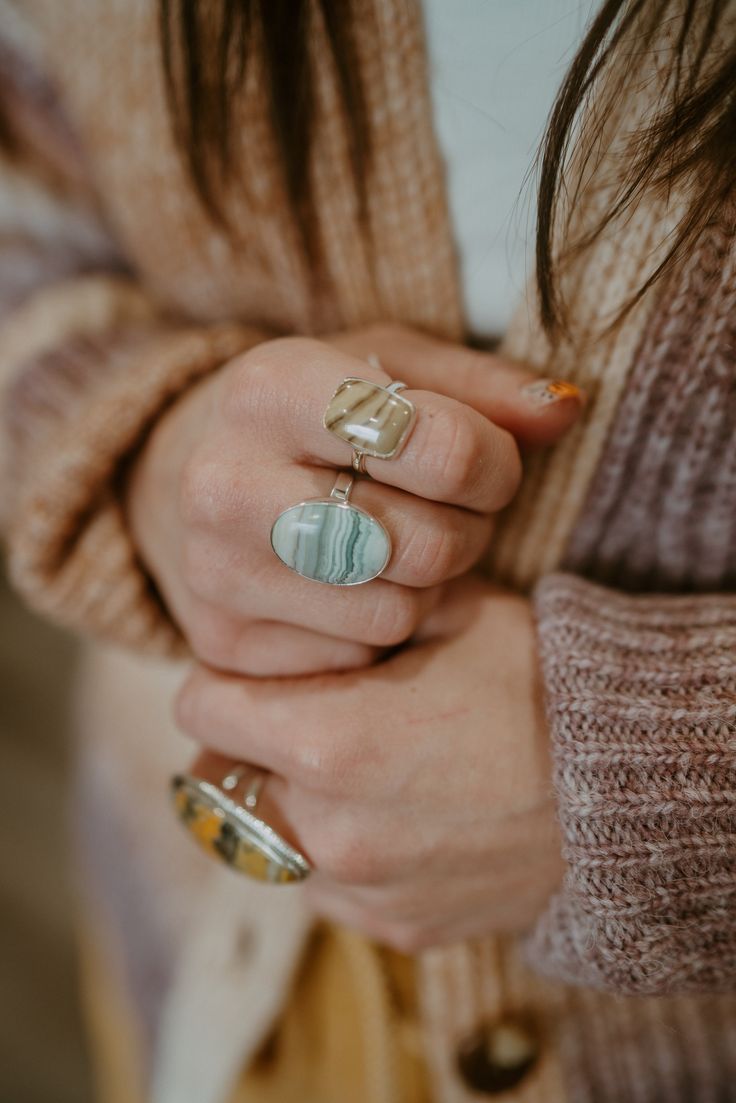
248	827
372	452
335	503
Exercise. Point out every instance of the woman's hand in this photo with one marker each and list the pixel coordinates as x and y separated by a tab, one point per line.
419	788
248	442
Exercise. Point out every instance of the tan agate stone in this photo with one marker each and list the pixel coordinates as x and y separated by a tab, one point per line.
372	419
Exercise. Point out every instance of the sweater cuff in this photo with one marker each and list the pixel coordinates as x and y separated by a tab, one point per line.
76	410
641	703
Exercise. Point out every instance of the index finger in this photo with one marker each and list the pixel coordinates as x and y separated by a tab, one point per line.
454	454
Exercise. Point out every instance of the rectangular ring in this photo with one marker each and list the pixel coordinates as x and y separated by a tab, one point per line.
371	418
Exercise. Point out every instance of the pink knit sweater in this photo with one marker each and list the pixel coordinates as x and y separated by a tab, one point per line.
641	690
117	292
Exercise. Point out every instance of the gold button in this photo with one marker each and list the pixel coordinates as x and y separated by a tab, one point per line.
498	1055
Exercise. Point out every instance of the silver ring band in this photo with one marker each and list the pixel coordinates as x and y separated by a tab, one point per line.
343	485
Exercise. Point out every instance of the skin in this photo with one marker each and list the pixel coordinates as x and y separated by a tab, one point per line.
416	779
419	788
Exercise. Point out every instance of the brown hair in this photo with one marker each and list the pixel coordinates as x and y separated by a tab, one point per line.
690	139
206	49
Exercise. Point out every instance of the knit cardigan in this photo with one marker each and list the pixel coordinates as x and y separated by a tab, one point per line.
117	292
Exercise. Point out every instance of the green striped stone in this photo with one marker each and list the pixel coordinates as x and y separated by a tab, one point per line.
332	542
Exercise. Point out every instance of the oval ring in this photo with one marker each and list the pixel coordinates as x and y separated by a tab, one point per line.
228	829
331	540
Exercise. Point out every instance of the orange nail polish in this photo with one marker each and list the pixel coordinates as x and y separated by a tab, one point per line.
543	392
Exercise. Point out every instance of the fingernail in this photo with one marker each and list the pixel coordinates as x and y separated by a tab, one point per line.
543	392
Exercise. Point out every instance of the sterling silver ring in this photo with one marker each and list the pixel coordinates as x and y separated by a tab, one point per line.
358	462
331	540
227	828
374	420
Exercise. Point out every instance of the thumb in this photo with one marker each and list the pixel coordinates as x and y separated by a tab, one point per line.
536	411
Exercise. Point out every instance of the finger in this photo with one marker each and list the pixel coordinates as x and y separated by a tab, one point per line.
344	912
350	860
273	804
253	720
430	543
267	649
389	900
212	708
379	614
536	410
373	918
284	650
454	454
298	816
456	611
309	825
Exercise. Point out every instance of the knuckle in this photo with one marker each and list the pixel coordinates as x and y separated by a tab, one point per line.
348	858
458	453
393	618
281	352
207	495
327	764
250	390
432	553
258	380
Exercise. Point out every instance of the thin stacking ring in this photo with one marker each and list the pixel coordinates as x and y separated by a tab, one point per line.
228	828
332	540
358	462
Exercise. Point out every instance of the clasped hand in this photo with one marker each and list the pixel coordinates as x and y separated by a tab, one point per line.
402	721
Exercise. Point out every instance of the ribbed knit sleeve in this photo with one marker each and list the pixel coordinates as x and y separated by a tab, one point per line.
641	701
88	361
89	366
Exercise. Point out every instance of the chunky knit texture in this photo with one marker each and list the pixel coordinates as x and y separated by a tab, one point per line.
67	533
661	511
641	690
116	293
642	703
